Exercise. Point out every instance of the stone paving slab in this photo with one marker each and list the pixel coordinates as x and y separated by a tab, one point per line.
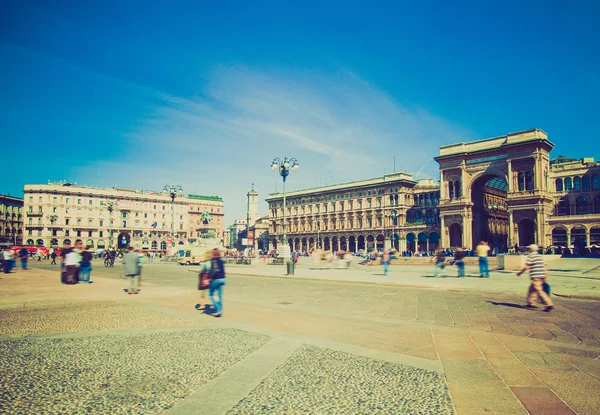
76	316
115	374
316	380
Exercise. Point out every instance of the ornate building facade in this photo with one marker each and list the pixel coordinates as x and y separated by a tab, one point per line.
101	218
508	191
364	215
11	220
205	217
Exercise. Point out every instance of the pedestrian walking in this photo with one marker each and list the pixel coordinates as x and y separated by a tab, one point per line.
9	260
72	264
24	256
440	265
539	276
482	252
86	265
141	258
204	280
131	269
53	255
66	249
385	260
217	282
459	257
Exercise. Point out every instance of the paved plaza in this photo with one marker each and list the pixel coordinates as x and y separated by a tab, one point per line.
326	341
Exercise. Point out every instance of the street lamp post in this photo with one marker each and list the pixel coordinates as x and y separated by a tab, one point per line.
173	190
284	167
52	219
110	206
318	222
393	214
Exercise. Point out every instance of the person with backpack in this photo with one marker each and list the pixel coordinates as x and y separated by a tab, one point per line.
217	282
204	280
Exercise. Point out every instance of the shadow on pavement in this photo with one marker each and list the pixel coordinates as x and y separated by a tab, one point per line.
513	305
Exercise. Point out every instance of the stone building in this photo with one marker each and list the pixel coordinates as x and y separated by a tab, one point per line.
508	191
11	220
57	212
362	215
205	217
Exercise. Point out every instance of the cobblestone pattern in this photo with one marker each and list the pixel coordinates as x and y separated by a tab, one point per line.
75	316
137	374
322	381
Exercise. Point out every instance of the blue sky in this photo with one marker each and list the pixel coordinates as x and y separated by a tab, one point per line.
204	94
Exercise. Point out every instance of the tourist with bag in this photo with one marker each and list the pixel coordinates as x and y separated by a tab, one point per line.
204	280
217	282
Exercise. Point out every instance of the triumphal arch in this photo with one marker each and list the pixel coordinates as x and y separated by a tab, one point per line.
496	190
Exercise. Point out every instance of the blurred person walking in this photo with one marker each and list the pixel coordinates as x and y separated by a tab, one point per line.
440	266
538	272
24	256
131	269
482	252
385	260
72	264
217	282
86	265
204	280
9	259
459	257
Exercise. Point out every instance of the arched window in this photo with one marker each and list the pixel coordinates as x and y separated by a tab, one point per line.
521	181
90	222
597	204
568	184
586	182
559	185
40	242
528	181
457	192
451	190
101	223
582	206
30	242
577	183
30	221
154	245
78	221
163	245
418	216
595	182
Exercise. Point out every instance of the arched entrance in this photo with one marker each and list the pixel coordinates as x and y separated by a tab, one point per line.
380	242
311	244
54	242
434	241
343	243
490	211
526	232
334	244
410	242
361	243
352	244
595	236
123	240
456	237
422	242
559	237
370	243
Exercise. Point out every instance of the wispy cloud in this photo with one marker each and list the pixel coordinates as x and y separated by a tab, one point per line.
339	127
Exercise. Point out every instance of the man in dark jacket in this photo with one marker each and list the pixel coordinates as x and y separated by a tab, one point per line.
24	255
217	277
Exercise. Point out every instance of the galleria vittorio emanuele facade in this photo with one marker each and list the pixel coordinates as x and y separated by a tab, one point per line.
506	190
